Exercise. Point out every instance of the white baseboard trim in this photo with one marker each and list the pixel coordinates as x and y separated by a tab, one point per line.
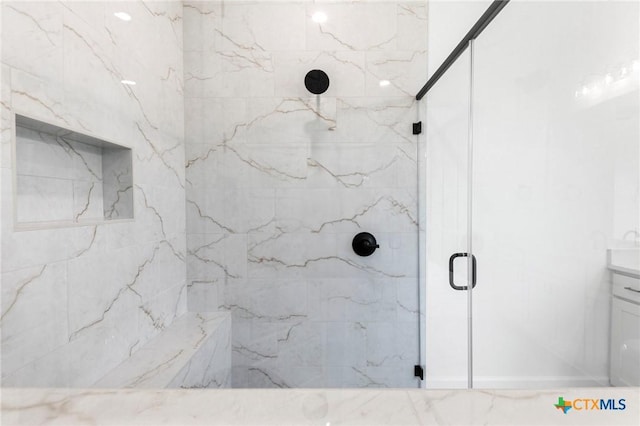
516	382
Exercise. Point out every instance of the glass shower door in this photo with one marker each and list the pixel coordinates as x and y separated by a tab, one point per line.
447	205
555	184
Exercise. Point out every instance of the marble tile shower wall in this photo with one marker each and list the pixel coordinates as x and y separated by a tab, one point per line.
76	301
278	182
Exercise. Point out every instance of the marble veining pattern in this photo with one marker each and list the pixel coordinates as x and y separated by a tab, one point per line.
312	407
194	352
276	184
278	181
60	179
78	300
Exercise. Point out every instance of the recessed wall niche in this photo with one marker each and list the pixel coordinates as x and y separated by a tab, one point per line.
66	178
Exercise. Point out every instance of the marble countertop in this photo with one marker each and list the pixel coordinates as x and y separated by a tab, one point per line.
324	407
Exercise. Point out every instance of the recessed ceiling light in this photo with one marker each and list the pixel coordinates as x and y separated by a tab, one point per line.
384	83
122	15
128	82
319	17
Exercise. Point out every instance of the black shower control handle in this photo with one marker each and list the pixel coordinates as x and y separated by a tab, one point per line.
364	244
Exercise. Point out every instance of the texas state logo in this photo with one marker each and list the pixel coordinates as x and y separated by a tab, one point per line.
588	404
563	405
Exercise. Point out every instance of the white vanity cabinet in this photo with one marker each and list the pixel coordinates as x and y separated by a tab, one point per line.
624	367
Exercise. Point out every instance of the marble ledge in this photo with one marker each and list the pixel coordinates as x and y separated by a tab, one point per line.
193	352
325	407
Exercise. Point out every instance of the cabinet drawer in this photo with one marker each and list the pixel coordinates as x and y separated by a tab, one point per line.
626	287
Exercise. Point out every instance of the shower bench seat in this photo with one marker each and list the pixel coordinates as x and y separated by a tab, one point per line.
193	352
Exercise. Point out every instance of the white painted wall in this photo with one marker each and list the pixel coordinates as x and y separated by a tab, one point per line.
449	22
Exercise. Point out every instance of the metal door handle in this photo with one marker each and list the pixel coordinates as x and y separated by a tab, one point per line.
473	271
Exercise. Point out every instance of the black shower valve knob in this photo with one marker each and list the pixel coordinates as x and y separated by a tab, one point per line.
364	244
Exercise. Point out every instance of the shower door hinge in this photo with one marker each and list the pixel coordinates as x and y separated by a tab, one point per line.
417	128
418	371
